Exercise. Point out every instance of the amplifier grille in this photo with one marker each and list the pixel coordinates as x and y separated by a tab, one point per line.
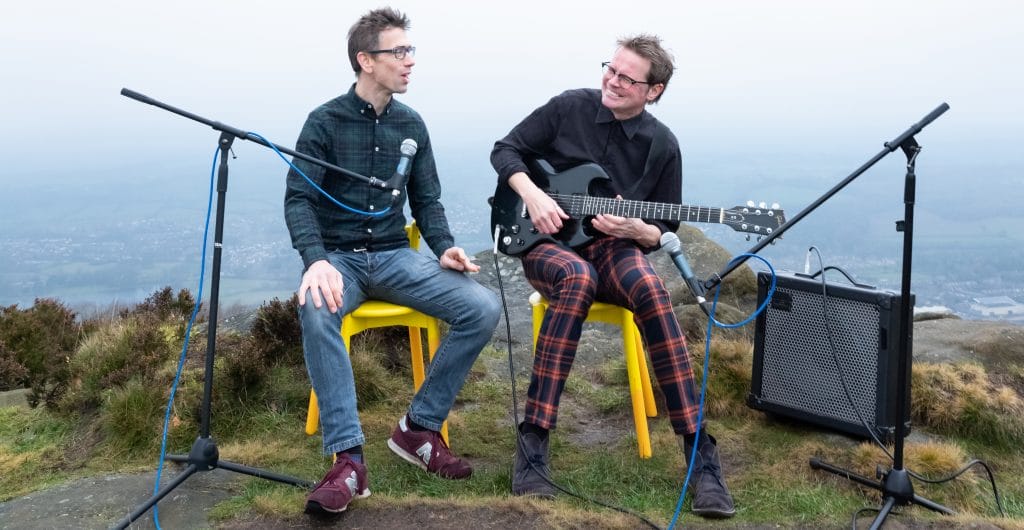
799	368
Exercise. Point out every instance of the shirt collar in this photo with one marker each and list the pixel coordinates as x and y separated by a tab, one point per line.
362	106
630	126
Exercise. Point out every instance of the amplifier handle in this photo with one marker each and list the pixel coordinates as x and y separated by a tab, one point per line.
848	277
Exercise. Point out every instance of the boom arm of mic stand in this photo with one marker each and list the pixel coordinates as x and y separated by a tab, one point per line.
372	181
716	279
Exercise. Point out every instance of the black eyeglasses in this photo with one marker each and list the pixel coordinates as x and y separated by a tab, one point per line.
624	79
398	51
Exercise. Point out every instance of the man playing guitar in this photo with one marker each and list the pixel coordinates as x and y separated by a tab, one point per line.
611	128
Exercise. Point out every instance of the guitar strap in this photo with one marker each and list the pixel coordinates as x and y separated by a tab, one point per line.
656	152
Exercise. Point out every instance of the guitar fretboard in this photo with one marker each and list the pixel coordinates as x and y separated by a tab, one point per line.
579	206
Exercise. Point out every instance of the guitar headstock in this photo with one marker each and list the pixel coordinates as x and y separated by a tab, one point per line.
760	219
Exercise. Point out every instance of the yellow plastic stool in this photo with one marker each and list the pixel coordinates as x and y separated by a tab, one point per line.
640	392
379	314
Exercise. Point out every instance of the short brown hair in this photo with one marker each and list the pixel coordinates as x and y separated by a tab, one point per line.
365	33
649	47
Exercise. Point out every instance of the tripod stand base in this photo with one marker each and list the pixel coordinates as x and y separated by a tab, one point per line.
896	488
204	456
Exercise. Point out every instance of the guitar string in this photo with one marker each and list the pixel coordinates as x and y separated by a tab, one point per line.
585	204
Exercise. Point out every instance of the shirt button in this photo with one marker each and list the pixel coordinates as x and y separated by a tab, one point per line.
369	230
376	148
376	121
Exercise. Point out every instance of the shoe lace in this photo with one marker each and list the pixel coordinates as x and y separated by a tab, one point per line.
338	474
707	467
442	449
710	469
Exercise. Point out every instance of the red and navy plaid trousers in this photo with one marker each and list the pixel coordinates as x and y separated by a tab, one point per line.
615	271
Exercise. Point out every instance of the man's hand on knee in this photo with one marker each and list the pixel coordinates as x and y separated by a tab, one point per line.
323	282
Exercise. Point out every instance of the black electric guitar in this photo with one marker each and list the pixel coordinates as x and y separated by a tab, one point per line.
585	191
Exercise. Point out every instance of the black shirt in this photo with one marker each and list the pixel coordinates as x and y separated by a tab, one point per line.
639	154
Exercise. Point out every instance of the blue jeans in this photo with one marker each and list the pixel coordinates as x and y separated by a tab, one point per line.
408	278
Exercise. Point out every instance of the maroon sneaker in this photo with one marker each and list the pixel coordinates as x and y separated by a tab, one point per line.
345	481
427	450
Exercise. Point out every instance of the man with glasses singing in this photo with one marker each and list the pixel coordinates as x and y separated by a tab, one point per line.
354	247
609	127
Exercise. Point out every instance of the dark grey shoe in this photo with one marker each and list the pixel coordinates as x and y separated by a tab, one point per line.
526	479
711	497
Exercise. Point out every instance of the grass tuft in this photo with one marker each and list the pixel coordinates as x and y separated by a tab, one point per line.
131	417
961	400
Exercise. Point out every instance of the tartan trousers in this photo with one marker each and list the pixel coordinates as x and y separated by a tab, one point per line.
615	271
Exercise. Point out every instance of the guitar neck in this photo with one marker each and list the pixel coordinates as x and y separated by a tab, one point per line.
580	206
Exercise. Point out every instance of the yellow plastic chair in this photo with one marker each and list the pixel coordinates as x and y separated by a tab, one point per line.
379	314
640	392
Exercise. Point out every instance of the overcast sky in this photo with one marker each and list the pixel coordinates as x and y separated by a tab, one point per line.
748	67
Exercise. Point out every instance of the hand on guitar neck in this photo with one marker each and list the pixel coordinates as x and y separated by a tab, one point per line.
627	228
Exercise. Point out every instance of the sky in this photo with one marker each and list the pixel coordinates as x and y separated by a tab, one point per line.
769	74
782	91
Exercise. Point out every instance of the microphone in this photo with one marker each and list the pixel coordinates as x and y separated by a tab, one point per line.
670	242
408	150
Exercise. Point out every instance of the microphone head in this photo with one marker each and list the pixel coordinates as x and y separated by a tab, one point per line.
670	242
408	147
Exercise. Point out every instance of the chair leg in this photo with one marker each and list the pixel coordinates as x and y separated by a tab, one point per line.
538	319
645	379
416	349
312	414
636	394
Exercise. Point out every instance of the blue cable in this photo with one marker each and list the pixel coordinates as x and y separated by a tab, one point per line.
188	335
707	363
311	183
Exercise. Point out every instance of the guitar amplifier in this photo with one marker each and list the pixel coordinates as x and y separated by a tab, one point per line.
795	373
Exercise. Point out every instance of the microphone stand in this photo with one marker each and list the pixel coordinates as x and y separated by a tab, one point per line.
894	484
204	455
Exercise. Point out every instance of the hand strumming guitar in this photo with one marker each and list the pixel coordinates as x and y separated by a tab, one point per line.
545	213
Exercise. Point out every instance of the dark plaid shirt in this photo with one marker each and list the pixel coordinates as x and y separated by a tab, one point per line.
348	133
640	154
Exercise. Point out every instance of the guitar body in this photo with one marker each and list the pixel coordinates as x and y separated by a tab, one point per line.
586	191
518	235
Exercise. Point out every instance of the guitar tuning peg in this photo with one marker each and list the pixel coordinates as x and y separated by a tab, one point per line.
748	237
750	204
775	206
762	205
